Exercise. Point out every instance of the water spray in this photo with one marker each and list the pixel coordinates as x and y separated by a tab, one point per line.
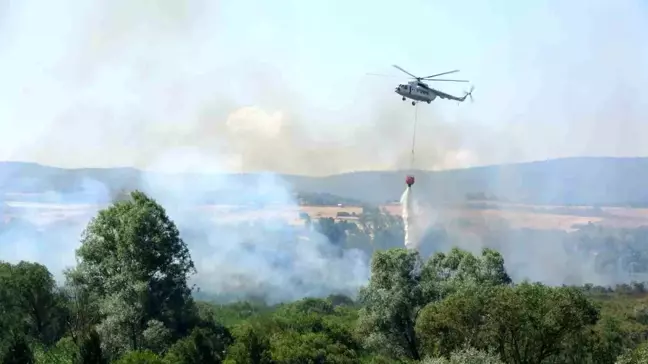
408	223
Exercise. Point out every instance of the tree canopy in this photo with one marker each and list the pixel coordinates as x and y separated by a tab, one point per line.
128	300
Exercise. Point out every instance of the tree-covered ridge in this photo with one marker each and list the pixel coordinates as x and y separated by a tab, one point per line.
565	181
128	300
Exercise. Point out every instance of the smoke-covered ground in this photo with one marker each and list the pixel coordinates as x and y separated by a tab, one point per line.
271	258
264	257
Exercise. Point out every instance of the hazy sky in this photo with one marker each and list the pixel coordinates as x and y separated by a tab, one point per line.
282	85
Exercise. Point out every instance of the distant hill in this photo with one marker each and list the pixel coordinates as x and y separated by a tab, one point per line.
568	181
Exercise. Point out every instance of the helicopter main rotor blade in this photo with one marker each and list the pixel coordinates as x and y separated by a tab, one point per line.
440	79
381	75
406	72
441	74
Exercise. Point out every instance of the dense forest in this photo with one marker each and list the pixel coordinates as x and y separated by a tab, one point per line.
129	300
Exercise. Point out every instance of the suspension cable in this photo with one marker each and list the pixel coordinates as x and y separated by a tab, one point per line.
414	137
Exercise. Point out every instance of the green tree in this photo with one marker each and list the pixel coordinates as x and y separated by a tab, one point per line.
381	230
601	344
401	285
30	295
311	330
156	336
636	356
134	263
64	351
18	351
291	347
82	308
311	315
444	274
251	345
90	350
530	322
447	326
340	300
203	345
140	357
334	231
608	340
10	311
466	356
391	303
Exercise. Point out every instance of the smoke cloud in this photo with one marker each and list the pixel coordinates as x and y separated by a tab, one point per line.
141	80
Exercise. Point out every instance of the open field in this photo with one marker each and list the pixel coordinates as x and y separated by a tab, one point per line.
475	215
537	217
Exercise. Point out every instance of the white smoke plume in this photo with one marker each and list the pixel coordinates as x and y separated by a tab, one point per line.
254	245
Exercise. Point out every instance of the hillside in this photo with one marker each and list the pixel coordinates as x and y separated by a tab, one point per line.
569	181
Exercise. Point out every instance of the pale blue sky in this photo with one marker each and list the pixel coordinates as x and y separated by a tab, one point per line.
141	83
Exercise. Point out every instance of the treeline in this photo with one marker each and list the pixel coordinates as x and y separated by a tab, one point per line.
128	301
618	253
325	199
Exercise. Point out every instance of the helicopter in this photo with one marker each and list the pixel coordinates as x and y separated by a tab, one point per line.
418	91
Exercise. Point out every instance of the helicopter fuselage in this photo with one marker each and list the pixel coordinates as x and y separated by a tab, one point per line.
416	91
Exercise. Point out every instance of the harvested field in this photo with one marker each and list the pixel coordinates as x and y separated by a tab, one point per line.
536	217
516	216
475	215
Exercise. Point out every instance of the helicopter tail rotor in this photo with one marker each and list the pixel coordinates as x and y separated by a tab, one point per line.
469	94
